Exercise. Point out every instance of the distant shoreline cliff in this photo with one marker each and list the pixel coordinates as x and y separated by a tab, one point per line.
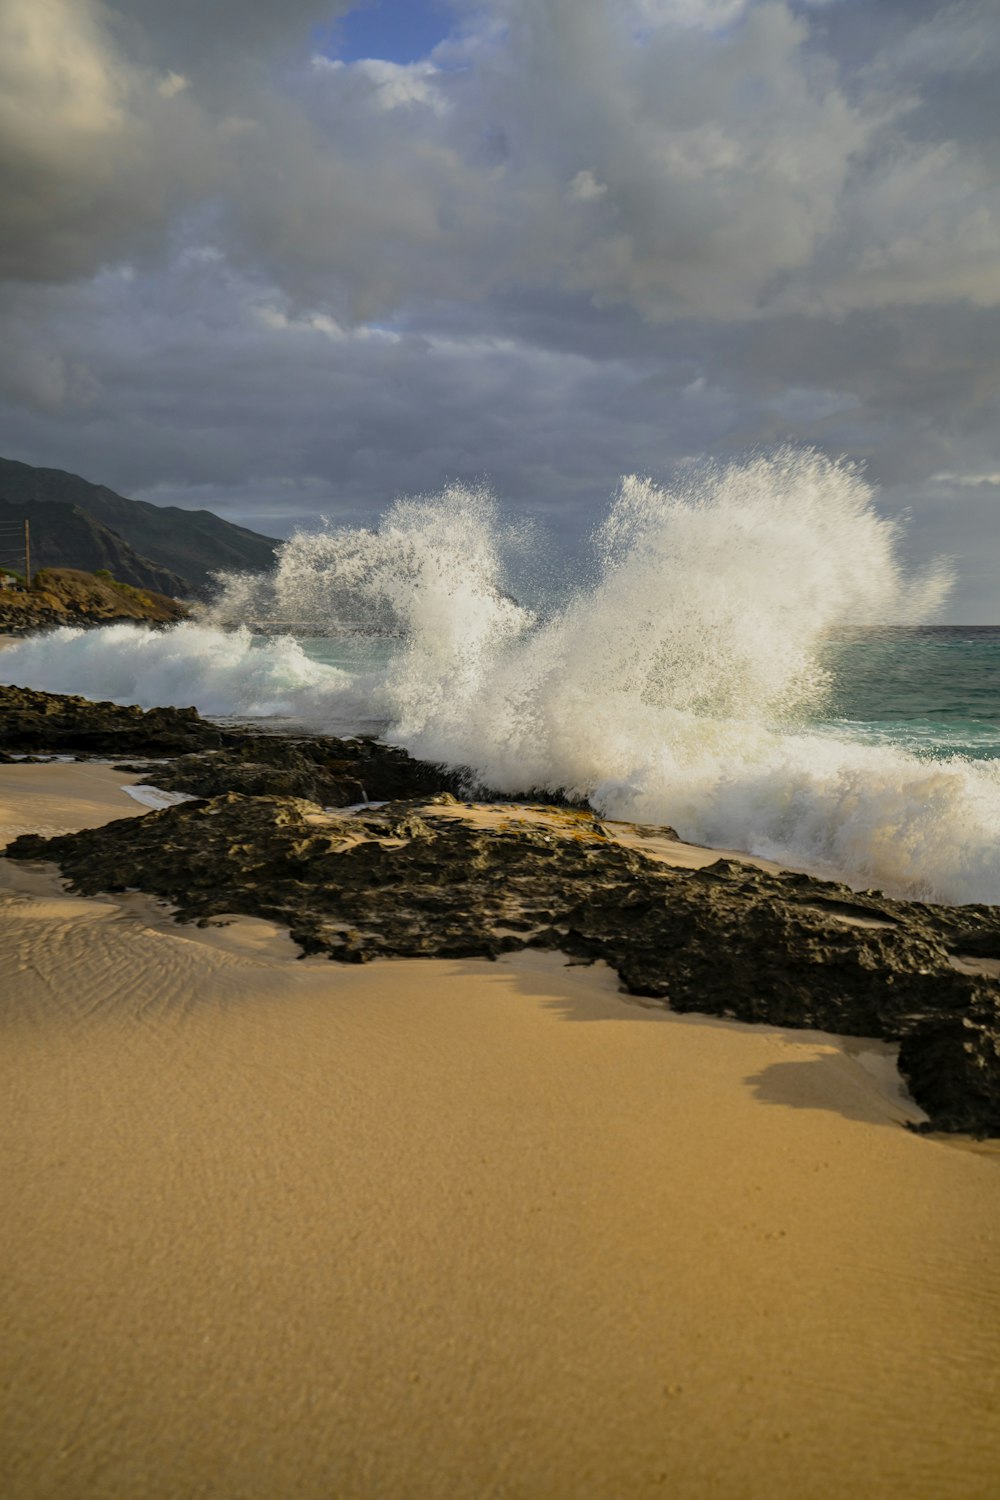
69	596
79	525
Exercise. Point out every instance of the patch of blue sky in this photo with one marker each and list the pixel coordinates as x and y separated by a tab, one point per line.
398	31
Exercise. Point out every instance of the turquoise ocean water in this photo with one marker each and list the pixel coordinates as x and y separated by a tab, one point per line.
934	691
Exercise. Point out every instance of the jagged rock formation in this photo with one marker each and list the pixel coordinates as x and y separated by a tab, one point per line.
331	772
413	880
58	723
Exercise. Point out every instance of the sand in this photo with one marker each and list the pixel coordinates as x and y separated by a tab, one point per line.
277	1229
61	796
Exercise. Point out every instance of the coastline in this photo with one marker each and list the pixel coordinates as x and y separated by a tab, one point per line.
451	1227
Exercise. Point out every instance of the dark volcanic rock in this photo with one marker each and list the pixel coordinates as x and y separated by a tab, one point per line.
56	723
952	1064
730	940
332	772
213	775
211	760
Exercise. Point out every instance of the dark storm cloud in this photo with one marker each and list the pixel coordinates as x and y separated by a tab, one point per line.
582	237
272	410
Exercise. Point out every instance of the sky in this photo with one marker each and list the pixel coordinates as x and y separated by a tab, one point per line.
397	31
293	261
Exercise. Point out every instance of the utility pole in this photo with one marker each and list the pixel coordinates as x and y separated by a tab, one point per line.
27	555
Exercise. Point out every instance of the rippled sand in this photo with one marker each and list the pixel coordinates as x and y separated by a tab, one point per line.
276	1228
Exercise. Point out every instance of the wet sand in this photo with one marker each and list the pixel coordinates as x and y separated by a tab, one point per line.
432	1229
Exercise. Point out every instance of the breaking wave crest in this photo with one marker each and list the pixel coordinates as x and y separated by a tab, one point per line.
674	684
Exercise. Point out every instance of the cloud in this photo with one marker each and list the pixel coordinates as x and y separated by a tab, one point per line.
95	150
581	237
392	85
213	38
585	187
172	84
722	163
115	122
965	481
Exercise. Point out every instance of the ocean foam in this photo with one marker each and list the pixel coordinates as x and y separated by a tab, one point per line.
674	687
155	798
218	672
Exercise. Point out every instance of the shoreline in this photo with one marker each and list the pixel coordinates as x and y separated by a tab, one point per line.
452	1227
363	852
423	875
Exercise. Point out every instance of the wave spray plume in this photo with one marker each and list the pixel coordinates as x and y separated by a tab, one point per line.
673	686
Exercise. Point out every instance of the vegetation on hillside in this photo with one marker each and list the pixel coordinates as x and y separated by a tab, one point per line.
69	596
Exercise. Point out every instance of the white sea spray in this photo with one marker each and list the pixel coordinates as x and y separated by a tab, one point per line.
217	671
673	685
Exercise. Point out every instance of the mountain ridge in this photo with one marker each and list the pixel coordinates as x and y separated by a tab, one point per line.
64	534
189	545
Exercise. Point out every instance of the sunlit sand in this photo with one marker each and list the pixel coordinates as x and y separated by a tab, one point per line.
291	1228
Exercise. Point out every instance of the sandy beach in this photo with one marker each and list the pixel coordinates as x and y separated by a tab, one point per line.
456	1229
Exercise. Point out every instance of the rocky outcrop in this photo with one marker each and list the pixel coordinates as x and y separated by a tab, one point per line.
67	596
331	772
410	880
210	759
58	723
413	880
